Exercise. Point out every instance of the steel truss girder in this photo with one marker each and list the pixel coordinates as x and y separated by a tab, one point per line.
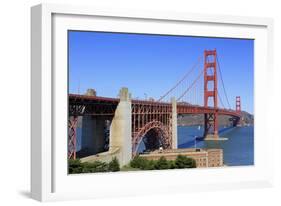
72	136
151	116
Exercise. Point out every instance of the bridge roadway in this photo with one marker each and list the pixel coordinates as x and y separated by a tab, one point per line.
80	105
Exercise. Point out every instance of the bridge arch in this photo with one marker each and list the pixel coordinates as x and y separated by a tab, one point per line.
159	128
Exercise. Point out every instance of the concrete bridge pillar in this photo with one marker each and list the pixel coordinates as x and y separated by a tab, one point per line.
174	124
120	129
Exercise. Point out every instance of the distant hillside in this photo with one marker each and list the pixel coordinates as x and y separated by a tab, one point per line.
247	118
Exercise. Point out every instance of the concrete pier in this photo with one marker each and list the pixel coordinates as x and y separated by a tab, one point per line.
120	129
212	137
120	139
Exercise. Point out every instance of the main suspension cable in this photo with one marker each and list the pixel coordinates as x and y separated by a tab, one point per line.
184	77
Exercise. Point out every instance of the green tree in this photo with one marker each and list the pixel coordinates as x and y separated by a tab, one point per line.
98	166
162	164
172	164
139	162
87	167
150	165
113	165
191	163
184	162
75	166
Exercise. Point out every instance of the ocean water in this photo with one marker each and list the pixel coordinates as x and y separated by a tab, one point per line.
237	150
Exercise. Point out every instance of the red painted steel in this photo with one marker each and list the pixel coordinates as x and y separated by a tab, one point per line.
147	115
238	104
72	134
210	80
160	127
110	102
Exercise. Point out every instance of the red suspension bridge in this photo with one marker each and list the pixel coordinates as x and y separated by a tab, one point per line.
154	118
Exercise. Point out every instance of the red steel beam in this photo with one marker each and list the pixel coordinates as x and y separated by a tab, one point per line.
181	108
210	76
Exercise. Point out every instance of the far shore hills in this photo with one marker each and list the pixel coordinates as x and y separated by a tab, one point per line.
189	120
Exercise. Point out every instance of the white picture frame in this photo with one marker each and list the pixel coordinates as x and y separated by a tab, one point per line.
49	179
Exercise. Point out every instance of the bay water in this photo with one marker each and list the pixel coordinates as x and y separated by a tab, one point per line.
238	149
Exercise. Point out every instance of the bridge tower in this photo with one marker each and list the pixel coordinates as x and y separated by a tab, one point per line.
238	104
238	111
210	92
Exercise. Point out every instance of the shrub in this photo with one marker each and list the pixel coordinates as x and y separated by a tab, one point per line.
96	166
87	167
172	164
180	162
162	164
75	166
184	162
150	165
114	166
192	163
139	162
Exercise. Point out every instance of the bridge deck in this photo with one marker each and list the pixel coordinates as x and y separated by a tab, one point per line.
109	104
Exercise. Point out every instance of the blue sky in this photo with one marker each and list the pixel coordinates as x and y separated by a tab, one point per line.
149	65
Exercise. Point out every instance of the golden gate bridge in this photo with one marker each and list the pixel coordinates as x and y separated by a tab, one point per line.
197	92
